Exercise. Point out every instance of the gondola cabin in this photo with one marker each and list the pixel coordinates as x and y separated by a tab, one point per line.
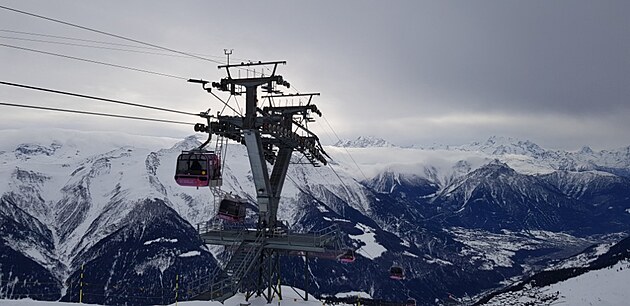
347	257
396	272
198	169
232	209
410	302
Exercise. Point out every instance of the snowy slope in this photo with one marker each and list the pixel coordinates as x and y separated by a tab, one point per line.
72	182
90	200
601	280
599	287
290	298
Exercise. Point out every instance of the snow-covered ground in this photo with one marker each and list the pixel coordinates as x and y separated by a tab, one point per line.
290	298
371	249
608	286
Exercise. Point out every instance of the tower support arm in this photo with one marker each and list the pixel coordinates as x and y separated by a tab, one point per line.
259	171
278	176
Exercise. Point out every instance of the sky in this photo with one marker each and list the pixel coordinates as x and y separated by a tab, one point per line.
411	72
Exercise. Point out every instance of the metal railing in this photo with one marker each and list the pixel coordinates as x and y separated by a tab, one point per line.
321	238
218	277
224	231
243	260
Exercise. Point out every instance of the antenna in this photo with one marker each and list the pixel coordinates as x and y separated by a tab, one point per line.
228	53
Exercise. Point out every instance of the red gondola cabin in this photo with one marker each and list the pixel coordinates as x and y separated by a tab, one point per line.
347	257
232	209
397	273
198	169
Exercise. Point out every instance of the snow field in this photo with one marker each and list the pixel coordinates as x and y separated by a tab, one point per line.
605	287
290	298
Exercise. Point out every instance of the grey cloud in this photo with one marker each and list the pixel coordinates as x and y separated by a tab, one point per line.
399	66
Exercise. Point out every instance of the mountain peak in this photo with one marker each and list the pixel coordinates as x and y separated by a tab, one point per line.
499	145
496	164
586	150
363	142
492	169
189	143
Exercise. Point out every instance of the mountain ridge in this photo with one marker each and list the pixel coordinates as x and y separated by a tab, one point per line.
398	211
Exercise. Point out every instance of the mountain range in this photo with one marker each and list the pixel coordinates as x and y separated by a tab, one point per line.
103	210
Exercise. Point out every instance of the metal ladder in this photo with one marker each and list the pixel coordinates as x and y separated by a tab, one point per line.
226	284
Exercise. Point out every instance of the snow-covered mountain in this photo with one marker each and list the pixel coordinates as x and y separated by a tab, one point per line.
459	220
616	161
363	142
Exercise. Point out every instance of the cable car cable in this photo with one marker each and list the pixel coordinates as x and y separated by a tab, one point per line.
238	105
226	104
345	148
106	33
77	39
342	183
114	35
107	43
93	113
90	46
97	98
94	62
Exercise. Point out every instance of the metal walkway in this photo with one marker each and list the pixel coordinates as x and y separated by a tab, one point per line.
251	243
321	241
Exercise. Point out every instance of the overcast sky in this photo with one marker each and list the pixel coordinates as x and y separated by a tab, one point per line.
411	72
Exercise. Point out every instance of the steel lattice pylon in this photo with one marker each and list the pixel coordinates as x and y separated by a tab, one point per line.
269	133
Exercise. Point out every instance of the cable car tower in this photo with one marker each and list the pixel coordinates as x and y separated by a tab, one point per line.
270	134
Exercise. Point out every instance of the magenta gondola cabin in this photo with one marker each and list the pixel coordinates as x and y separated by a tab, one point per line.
347	257
232	210
396	273
198	169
